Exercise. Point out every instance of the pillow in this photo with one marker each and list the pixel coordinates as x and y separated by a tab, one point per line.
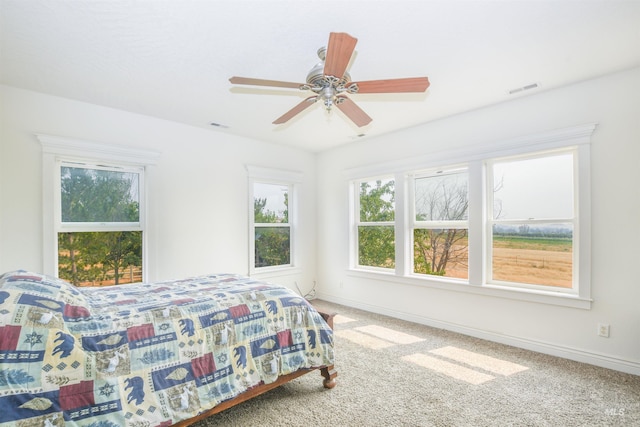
48	287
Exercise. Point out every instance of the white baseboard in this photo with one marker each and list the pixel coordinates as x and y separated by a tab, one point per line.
565	352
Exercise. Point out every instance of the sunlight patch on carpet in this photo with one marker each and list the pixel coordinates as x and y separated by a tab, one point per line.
339	319
488	363
363	339
389	334
449	369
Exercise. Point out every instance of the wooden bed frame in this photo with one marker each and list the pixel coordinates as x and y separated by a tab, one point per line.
328	372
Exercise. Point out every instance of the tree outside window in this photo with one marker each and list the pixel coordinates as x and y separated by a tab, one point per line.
376	229
99	235
440	235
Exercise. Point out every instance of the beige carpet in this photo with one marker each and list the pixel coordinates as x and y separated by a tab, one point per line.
397	373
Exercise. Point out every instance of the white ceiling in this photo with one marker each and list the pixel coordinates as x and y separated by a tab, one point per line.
173	59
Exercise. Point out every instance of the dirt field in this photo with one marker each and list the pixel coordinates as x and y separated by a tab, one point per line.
538	263
537	267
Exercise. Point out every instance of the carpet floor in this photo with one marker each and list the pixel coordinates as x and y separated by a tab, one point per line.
397	373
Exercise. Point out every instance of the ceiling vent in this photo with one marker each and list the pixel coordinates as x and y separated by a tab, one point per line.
523	88
219	125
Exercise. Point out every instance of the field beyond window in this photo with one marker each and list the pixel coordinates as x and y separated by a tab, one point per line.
533	215
533	260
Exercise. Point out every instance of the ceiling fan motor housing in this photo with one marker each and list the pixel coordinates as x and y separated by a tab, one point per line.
316	76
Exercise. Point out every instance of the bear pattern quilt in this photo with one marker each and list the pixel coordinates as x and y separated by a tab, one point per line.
148	354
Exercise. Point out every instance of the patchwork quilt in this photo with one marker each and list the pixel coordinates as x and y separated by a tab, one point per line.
148	354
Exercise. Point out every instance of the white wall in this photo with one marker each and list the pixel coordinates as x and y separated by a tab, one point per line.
198	191
614	103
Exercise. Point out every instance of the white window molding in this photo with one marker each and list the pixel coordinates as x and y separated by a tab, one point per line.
55	150
479	150
80	149
475	158
566	218
293	180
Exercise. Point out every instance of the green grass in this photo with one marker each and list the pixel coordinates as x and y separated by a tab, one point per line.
564	244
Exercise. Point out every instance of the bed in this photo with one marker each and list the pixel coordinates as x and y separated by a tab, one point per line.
150	354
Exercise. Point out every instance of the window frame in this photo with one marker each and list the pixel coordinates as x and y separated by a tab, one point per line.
573	220
292	180
59	152
88	226
577	138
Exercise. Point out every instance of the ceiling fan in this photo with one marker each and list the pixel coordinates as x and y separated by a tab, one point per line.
330	82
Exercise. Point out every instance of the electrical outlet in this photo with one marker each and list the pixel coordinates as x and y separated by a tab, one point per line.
603	330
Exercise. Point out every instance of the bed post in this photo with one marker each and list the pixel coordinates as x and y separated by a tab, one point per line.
328	372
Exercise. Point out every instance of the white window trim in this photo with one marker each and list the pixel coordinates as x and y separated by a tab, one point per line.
55	150
293	179
578	136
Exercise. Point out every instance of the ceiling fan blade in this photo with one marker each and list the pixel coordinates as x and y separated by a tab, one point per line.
355	113
295	110
262	82
410	84
339	51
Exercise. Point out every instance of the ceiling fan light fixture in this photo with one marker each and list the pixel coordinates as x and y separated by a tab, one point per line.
328	96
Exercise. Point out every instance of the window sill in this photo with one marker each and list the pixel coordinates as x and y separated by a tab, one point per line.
520	294
268	273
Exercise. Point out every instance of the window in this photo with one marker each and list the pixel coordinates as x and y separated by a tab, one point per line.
532	222
272	230
95	194
375	225
510	221
99	232
273	202
440	226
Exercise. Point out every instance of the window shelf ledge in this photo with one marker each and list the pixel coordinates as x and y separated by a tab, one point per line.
276	272
453	285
